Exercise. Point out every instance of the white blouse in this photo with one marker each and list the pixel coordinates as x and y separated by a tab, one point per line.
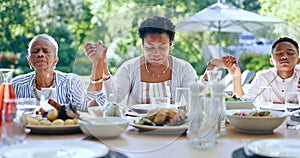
149	90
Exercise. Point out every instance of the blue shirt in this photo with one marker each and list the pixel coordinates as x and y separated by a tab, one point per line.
70	88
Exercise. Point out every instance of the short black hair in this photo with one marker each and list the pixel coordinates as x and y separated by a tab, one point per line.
285	39
157	24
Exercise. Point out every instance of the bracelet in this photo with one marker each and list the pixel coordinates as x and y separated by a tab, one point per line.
106	77
97	81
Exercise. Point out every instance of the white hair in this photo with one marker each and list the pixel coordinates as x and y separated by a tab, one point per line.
43	36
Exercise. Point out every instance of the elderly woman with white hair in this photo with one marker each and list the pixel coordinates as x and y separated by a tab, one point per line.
43	57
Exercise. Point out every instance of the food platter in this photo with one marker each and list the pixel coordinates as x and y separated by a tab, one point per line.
275	147
54	149
160	129
65	129
173	130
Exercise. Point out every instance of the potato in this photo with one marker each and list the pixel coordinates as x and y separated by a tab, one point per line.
45	123
75	121
69	122
57	122
32	121
23	120
52	115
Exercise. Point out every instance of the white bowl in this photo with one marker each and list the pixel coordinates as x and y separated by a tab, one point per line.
255	124
104	127
239	105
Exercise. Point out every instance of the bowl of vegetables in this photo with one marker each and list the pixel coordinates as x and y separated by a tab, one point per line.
233	102
255	121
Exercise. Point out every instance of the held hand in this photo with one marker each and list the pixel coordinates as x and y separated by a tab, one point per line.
215	63
229	61
95	51
234	70
231	65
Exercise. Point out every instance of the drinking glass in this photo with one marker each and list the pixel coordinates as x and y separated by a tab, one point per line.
6	75
292	109
28	107
182	98
214	76
265	98
251	95
13	131
203	124
160	102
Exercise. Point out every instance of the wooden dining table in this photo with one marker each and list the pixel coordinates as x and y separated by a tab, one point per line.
136	144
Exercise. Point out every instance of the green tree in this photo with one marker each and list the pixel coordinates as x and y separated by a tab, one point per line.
287	10
73	22
254	61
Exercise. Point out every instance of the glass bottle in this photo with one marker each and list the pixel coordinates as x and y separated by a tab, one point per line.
7	91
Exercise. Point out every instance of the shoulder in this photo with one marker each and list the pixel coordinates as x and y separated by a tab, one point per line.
63	76
25	78
266	72
132	61
178	60
181	64
130	65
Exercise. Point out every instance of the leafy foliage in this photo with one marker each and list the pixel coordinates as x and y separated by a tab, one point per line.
253	61
74	22
287	10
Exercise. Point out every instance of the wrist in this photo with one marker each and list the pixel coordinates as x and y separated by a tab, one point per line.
96	81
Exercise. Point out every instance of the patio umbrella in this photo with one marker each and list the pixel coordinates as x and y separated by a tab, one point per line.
225	18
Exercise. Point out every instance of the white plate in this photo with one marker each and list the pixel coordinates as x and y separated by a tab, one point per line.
160	129
54	129
279	107
276	147
54	149
143	108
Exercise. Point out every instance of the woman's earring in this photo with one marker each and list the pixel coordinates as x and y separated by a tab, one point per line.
53	67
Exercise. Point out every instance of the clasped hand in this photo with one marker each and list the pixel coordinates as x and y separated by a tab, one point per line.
95	51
